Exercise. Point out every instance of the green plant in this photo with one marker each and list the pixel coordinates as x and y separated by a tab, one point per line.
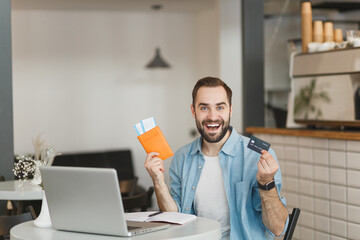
306	98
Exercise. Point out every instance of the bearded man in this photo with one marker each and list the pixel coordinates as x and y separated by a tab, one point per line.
216	176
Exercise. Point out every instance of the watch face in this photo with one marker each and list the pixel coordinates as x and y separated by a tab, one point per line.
270	185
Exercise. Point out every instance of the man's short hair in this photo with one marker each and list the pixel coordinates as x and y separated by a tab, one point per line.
211	82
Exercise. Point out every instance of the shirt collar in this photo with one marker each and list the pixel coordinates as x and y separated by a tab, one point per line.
228	148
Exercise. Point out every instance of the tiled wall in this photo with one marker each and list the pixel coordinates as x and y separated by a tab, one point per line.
322	178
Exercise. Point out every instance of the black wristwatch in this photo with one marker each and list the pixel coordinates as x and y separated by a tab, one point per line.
268	186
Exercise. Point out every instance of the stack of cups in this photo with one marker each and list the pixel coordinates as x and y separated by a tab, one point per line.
338	35
328	32
318	32
306	25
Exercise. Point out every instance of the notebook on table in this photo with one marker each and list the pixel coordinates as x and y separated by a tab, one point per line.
89	200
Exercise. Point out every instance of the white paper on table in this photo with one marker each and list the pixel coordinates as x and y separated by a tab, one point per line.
170	217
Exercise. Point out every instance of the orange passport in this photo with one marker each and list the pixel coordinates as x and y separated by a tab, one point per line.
154	141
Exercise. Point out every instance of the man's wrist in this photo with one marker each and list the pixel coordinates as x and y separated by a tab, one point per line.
267	186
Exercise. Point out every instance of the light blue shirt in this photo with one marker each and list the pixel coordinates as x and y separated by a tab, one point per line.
239	169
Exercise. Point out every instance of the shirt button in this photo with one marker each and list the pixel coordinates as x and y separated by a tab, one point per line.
187	209
200	167
193	188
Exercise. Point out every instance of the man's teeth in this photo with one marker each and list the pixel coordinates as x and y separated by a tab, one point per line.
213	125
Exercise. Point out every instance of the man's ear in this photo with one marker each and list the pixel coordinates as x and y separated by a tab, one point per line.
193	110
231	110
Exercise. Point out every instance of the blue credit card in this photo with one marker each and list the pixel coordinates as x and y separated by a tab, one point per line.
257	144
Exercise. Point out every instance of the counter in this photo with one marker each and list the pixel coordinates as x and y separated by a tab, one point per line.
321	176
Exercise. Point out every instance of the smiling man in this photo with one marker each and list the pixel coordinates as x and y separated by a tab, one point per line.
217	176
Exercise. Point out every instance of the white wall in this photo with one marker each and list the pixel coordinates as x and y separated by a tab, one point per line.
231	55
79	76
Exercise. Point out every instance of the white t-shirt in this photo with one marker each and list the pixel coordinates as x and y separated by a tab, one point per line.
210	196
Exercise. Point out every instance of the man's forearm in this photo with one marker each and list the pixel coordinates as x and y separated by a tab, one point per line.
165	201
274	213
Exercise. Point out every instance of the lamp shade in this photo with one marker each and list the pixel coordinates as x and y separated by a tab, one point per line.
157	61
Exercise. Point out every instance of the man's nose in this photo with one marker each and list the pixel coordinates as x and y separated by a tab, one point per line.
212	114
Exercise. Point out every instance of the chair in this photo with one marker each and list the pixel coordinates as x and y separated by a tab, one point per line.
293	217
128	187
10	204
7	222
140	200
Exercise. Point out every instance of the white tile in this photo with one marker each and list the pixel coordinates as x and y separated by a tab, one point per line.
338	210
292	200
338	159
337	238
307	219
322	223
338	193
322	190
291	153
354	214
321	143
353	196
353	146
336	144
338	227
306	187
292	184
277	139
353	231
283	183
322	207
353	160
305	141
306	171
282	167
279	151
322	236
338	176
321	173
307	203
321	157
292	169
290	140
353	178
297	232
306	155
265	137
307	234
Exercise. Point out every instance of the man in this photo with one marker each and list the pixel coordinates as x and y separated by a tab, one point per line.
217	176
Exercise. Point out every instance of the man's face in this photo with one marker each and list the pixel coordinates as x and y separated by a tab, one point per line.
212	112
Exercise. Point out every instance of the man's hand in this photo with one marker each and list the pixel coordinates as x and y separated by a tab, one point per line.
267	167
155	167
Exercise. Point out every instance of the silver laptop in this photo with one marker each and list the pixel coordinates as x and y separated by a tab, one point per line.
89	200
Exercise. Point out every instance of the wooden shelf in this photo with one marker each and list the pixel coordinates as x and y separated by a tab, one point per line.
345	135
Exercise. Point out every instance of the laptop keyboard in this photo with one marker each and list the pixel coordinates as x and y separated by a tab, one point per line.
132	228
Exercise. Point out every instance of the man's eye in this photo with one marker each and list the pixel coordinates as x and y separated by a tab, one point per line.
220	108
203	108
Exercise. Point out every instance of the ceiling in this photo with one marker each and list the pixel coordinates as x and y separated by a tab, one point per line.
115	5
292	7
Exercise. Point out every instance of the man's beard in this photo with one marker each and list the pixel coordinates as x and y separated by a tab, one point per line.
216	138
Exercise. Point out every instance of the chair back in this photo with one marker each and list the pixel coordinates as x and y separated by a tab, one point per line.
138	201
128	186
7	222
293	218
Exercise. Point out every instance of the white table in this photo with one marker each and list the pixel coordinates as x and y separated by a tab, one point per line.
20	190
200	229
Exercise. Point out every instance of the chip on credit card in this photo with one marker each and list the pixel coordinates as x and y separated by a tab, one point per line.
257	144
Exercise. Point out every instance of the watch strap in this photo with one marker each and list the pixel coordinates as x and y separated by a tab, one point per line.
268	186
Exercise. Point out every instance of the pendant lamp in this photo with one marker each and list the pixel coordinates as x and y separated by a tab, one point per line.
157	61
